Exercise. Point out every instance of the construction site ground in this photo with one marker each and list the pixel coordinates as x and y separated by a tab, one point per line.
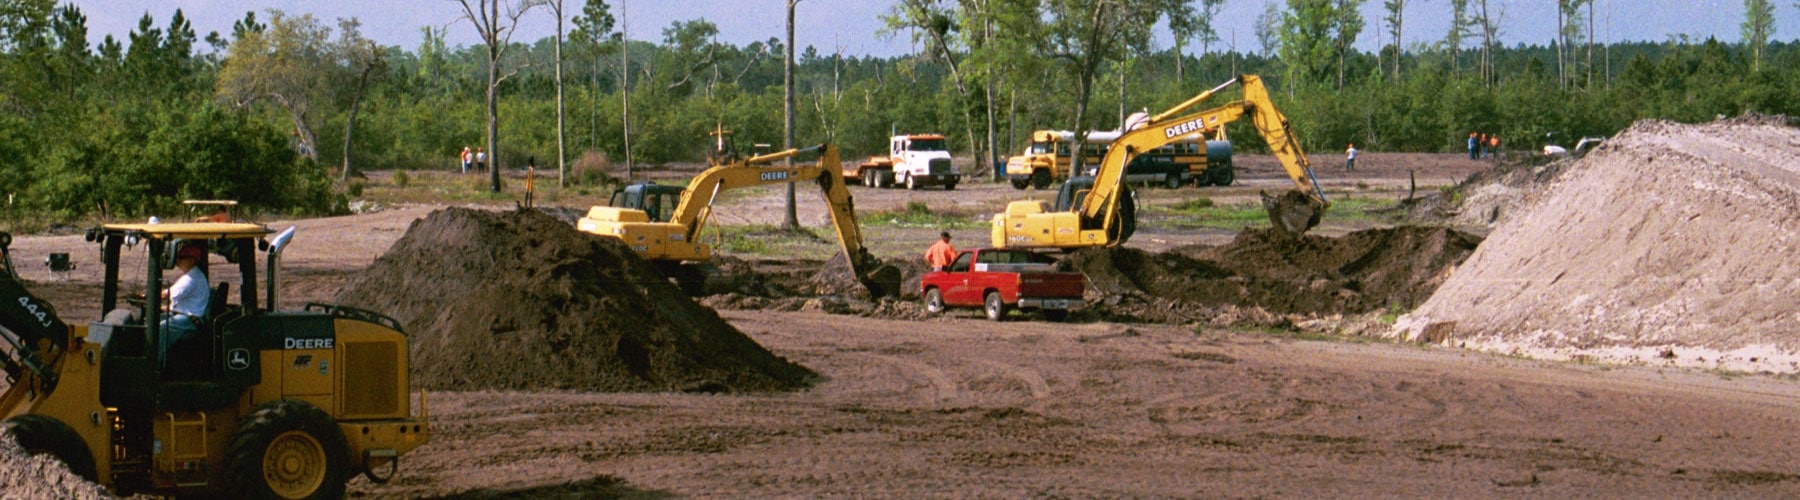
969	408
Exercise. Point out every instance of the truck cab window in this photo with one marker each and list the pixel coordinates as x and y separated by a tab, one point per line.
962	263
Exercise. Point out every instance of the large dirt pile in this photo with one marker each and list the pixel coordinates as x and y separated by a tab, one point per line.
1670	243
1360	272
40	476
521	300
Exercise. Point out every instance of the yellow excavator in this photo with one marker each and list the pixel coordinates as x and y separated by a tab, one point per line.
1099	211
255	402
648	218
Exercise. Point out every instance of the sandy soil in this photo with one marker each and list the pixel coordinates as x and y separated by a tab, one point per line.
968	408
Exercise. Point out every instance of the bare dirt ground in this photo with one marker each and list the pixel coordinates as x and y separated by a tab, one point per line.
968	408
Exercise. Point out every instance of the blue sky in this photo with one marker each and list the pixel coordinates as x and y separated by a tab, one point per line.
851	24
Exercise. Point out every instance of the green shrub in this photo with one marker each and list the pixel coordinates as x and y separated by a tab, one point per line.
355	190
401	179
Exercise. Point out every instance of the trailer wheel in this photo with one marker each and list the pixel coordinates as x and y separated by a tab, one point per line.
42	435
950	186
287	449
995	308
934	301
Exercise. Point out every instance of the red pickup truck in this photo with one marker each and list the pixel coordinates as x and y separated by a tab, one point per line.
1001	279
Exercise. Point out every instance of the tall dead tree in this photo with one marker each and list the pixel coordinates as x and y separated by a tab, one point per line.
496	33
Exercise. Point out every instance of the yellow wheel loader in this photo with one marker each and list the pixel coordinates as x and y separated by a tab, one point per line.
1098	211
255	402
663	223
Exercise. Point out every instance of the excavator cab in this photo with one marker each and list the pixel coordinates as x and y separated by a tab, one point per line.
656	200
259	402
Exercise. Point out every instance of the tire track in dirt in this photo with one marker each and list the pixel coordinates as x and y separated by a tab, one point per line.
943	389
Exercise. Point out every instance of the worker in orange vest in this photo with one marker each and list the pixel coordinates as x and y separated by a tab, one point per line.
941	253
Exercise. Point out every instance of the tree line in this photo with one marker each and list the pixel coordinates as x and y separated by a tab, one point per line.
281	110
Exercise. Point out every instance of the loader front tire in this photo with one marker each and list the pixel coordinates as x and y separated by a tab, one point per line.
287	449
42	435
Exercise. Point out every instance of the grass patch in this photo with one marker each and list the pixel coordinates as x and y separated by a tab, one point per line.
768	240
919	215
1392	315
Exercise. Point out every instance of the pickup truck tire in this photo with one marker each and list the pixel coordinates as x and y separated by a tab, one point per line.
42	435
1173	181
934	301
950	186
1056	315
995	308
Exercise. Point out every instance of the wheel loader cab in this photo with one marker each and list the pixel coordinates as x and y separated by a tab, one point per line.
259	403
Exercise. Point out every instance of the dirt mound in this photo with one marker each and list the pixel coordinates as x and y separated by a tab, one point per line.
521	300
1670	243
1359	272
41	476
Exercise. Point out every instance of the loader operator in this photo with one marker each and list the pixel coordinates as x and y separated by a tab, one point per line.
187	300
941	253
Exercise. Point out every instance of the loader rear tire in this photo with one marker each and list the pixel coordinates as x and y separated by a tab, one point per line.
42	435
287	449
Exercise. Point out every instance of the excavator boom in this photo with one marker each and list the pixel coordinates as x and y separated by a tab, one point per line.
679	236
1099	219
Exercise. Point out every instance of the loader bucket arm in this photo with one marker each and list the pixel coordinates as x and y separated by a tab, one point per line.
33	334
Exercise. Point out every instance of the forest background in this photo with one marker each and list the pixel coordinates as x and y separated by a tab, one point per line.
281	111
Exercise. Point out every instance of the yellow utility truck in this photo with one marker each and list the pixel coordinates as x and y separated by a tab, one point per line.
256	402
1099	214
1047	160
662	223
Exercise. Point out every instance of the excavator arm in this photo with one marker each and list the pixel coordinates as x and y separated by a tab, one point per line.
33	335
697	202
1100	209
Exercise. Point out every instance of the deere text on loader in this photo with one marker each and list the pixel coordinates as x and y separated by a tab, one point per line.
257	403
647	217
1101	215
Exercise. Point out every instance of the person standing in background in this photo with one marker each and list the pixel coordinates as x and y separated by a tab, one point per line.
1350	158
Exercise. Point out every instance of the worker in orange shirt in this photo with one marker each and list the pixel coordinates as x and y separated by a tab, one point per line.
941	253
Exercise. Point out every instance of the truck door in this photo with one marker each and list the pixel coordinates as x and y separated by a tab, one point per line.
958	284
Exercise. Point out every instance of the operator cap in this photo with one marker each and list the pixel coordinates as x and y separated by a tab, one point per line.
190	251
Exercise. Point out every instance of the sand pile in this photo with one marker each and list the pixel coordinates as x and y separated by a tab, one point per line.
521	300
40	476
1360	272
1671	243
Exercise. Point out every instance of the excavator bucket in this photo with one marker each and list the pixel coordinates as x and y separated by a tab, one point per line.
884	281
1292	213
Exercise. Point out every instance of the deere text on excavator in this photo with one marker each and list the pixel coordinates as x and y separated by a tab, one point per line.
1102	215
256	403
649	220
